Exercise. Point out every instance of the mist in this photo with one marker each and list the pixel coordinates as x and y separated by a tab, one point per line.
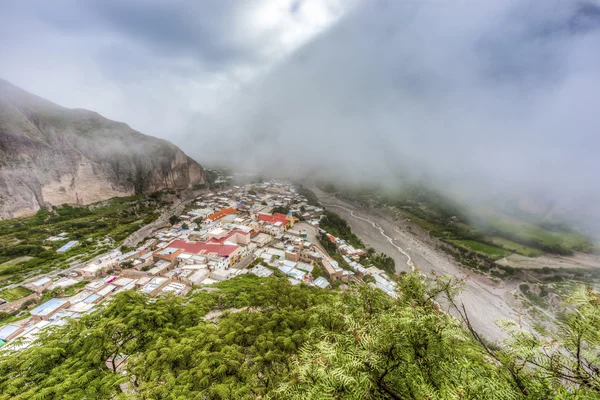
484	98
491	101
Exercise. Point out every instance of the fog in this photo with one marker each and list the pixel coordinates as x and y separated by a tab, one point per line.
487	99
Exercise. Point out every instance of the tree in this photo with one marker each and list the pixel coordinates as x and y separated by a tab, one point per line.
173	219
185	226
198	221
268	339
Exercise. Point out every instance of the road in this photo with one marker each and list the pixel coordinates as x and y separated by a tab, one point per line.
485	301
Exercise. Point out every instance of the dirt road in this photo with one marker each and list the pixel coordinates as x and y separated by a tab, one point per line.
485	301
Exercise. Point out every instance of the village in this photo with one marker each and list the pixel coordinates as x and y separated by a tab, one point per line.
266	229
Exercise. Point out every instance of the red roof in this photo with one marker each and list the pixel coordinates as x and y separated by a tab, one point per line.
272	219
224	250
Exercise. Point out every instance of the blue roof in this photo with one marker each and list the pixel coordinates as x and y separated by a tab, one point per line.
48	307
67	246
8	330
91	298
2	342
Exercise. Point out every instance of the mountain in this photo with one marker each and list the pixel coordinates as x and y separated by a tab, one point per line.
52	155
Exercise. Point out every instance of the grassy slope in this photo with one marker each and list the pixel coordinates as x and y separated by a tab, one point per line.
14	294
496	233
23	245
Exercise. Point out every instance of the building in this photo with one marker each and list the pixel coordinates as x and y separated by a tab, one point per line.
41	284
169	254
332	269
219	215
9	332
277	219
231	253
91	270
48	309
262	239
63	283
155	285
261	271
68	246
161	268
221	275
321	282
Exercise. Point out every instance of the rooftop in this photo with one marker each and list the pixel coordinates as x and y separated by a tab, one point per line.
223	250
48	307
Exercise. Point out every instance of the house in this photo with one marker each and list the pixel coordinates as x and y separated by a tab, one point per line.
332	269
221	275
277	219
321	283
48	309
173	288
9	332
41	284
261	271
219	215
197	277
63	283
91	270
169	253
161	268
105	291
230	253
155	285
68	246
262	239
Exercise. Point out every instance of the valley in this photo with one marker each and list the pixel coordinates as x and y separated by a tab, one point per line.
485	300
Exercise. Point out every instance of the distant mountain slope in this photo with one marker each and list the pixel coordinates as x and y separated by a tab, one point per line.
51	155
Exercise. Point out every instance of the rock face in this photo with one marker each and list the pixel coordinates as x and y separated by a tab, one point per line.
51	155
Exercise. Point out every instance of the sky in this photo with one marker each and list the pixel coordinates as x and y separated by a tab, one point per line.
491	98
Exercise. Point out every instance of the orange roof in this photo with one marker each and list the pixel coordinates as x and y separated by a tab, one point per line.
220	214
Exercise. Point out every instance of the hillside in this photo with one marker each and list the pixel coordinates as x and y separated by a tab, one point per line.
254	338
51	155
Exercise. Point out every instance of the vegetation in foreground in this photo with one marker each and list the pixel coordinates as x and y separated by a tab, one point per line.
25	250
256	337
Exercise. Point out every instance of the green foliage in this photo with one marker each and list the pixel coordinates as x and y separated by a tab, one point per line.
282	210
482	248
15	293
24	249
311	197
173	219
253	337
381	261
338	227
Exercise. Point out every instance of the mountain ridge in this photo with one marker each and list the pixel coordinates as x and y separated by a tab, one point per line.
52	155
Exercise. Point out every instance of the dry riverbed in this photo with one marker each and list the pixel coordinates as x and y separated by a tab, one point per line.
485	301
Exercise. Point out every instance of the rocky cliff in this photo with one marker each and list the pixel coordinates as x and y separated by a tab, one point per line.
51	155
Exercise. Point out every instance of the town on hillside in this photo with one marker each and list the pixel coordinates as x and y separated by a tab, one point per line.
266	229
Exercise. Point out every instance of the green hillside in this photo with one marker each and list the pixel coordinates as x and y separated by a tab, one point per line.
263	338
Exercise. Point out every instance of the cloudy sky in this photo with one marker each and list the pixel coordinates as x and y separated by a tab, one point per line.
501	92
152	63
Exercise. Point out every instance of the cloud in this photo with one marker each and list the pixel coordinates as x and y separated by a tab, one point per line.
492	97
151	63
488	98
